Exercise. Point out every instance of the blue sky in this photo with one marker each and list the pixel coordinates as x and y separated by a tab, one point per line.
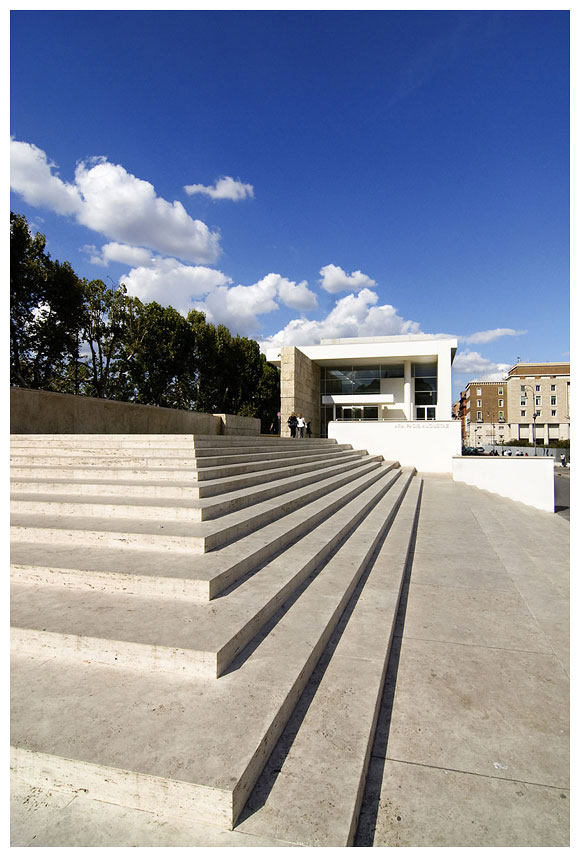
300	175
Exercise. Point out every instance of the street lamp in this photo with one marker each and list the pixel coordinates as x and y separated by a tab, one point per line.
535	413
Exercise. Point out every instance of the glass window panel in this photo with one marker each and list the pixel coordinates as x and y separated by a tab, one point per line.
430	413
424	370
365	372
370	386
370	413
392	370
429	384
425	398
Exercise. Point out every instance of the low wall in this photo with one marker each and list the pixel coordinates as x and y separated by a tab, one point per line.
41	412
527	480
427	445
232	424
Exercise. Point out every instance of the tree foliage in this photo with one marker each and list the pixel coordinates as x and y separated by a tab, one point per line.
71	335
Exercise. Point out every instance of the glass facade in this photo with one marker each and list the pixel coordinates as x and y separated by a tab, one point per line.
425	375
351	380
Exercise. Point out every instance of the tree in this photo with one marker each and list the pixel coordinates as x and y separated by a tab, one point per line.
46	302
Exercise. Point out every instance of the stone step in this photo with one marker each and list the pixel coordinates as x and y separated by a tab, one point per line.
174	575
162	458
119	441
185	746
177	636
148	470
181	490
145	506
321	763
141	533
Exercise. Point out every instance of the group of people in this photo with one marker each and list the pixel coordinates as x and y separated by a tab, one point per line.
299	426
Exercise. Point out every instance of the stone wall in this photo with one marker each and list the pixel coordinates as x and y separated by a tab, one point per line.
232	424
41	412
299	389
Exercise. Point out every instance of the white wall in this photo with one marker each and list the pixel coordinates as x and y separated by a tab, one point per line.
528	480
427	445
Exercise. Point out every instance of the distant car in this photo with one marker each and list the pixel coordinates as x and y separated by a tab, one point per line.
519	452
508	452
469	450
479	449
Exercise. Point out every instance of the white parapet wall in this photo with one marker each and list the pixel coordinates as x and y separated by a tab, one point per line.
427	445
528	480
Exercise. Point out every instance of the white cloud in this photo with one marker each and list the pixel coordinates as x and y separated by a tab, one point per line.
484	336
472	363
224	188
124	253
111	201
352	315
32	176
334	279
168	281
294	295
239	307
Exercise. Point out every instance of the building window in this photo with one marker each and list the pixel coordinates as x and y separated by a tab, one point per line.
479	391
538	401
479	419
501	417
392	370
552	387
479	403
553	401
553	413
523	401
500	391
523	388
500	403
537	388
522	413
425	375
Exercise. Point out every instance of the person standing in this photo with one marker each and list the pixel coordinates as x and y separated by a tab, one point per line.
301	425
292	423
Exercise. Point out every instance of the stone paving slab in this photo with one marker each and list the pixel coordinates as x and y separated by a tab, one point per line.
44	817
412	806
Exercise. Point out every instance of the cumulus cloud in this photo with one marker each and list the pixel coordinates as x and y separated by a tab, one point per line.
35	178
352	315
472	363
294	295
115	252
484	336
334	279
168	281
225	188
106	198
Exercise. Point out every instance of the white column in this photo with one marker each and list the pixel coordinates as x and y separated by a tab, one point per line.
444	385
408	405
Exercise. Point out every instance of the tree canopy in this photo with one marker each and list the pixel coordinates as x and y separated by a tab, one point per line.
71	335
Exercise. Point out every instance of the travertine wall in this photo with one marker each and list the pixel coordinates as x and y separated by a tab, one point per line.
299	389
41	412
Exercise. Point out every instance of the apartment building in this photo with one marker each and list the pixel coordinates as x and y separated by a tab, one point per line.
532	402
486	409
539	402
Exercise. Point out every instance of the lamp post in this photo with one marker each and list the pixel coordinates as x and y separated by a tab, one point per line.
535	413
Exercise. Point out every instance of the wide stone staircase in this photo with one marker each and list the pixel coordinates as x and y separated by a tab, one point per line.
172	596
